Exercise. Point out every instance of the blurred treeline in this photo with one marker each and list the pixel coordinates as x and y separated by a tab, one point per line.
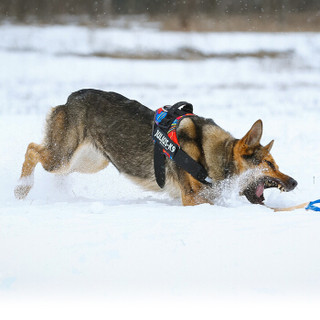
47	10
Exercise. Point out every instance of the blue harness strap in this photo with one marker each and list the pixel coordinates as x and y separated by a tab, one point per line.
311	205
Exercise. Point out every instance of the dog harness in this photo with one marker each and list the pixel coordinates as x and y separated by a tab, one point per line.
166	143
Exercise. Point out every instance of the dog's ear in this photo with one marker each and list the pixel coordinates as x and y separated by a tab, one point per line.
253	136
268	147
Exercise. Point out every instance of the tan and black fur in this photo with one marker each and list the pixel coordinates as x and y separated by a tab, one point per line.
95	127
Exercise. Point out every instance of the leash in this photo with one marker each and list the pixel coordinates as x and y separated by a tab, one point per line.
166	143
307	205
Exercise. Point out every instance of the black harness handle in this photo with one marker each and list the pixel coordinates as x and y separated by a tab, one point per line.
174	112
187	108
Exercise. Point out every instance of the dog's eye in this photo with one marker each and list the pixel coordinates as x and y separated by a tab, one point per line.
251	158
270	164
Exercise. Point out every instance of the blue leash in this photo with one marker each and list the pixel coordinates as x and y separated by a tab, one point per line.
311	205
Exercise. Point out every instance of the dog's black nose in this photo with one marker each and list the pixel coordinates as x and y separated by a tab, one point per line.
291	183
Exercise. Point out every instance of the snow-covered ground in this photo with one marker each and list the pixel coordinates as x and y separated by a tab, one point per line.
100	235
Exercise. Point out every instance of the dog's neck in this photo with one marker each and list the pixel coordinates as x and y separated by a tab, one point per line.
218	147
229	165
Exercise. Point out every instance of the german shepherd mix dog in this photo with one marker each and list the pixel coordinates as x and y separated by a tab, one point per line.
95	127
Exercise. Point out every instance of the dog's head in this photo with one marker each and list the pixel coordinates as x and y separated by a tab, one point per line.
249	154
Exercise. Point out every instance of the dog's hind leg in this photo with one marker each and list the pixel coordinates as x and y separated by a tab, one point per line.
65	149
35	153
52	154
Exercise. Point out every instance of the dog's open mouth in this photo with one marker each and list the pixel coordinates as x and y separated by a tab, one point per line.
254	192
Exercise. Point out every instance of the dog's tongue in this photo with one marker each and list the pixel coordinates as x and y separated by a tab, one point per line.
260	189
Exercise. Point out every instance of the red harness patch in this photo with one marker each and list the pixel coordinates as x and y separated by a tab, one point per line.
172	132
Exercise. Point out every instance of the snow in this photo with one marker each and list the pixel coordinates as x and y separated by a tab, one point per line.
100	236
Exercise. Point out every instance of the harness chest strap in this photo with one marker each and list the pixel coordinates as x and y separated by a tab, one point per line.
166	144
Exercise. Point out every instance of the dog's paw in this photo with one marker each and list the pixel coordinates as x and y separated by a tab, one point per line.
21	191
24	186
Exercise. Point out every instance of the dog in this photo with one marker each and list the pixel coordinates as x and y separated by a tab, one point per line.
96	127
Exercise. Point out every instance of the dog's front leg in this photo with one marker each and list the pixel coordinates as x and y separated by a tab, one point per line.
191	190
